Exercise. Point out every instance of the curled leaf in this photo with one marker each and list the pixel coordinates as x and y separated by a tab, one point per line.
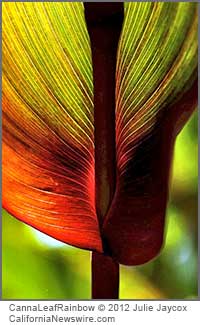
156	67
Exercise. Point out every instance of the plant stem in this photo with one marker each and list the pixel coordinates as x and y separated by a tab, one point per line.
105	277
104	23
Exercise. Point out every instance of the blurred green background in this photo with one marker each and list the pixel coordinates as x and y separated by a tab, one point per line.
38	267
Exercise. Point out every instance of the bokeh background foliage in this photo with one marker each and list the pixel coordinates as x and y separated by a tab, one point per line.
37	267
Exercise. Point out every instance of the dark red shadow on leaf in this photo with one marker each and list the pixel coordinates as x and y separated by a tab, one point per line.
134	225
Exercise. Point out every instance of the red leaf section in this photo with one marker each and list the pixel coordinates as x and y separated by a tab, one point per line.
134	226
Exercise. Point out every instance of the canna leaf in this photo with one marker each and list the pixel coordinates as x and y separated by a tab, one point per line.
156	66
48	148
48	122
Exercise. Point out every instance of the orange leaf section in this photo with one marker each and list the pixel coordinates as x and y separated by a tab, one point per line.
48	187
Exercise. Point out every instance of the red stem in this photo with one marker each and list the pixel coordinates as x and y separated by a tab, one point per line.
104	23
105	277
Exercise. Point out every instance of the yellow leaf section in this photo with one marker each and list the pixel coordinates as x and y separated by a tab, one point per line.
47	65
157	58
